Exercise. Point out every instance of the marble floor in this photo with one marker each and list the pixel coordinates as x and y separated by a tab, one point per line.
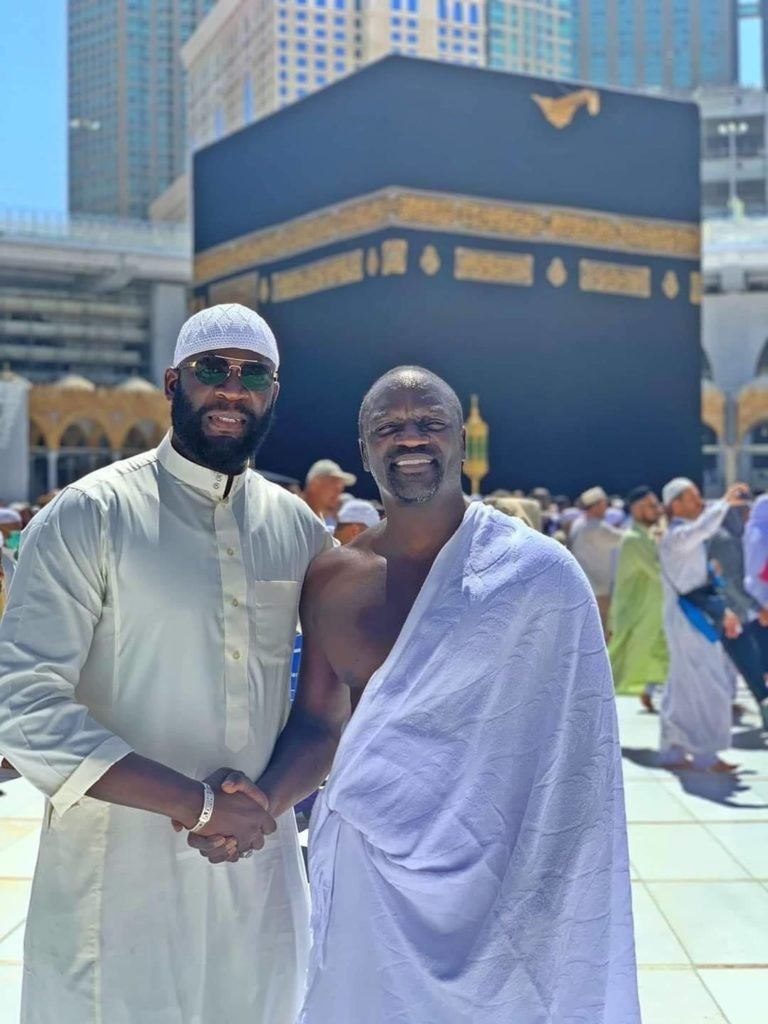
699	852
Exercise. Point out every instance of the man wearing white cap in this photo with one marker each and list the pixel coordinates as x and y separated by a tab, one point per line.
323	488
696	707
355	517
147	643
593	543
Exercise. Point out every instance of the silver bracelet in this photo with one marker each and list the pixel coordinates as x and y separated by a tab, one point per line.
207	812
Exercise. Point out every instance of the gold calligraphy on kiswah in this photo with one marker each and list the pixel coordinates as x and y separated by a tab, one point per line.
489	266
394	256
243	289
694	292
456	214
318	276
615	279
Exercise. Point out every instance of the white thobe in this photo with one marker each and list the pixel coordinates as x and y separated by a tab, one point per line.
696	708
154	612
593	545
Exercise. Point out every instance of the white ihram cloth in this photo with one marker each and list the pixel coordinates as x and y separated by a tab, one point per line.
696	707
149	613
468	857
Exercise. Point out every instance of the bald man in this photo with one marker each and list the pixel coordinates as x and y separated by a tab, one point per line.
468	857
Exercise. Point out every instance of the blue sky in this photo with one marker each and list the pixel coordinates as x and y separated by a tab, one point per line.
33	104
33	101
750	39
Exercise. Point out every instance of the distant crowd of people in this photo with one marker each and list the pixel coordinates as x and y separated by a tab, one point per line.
681	587
682	590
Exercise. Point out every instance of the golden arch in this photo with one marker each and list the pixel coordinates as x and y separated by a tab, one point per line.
93	430
143	434
713	410
38	438
753	409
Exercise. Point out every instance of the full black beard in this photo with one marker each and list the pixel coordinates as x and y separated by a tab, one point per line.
222	454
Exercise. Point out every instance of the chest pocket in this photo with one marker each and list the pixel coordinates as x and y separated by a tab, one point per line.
274	608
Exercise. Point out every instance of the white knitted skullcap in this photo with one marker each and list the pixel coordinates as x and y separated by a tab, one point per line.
676	489
228	325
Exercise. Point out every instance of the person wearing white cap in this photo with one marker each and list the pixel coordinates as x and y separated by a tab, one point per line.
594	543
323	488
696	706
147	643
355	517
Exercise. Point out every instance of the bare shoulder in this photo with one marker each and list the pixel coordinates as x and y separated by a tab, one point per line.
340	565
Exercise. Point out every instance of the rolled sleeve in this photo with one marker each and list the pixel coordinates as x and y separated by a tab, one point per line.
46	636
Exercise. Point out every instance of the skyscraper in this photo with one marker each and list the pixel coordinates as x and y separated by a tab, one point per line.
127	134
532	37
673	46
251	57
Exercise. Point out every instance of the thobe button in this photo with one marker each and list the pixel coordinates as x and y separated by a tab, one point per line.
230	551
235	602
215	487
236	655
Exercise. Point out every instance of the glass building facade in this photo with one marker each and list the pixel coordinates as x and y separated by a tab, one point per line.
672	46
127	132
533	37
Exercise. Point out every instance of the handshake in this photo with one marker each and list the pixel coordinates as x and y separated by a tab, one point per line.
240	819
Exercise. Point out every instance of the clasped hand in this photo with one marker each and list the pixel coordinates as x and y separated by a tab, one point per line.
240	819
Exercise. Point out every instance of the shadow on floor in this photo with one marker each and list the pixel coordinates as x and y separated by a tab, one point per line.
750	739
719	789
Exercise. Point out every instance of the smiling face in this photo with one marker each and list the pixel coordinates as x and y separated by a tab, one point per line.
412	437
220	427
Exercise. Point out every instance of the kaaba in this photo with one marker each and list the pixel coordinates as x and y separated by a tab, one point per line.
533	242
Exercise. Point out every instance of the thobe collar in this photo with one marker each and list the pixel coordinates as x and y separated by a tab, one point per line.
217	486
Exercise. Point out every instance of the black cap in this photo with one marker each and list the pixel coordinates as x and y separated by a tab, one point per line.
638	493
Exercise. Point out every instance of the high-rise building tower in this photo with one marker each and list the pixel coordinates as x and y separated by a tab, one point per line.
127	132
532	37
673	46
251	57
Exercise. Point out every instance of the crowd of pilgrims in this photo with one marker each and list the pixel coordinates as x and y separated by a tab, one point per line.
682	590
681	586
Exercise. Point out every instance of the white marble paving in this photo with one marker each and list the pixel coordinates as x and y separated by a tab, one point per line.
699	851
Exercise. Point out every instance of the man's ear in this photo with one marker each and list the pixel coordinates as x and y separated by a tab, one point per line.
364	455
171	381
463	444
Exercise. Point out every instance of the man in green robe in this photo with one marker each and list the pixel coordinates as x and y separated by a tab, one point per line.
638	647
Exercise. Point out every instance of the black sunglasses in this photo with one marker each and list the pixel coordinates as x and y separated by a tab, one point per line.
213	371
